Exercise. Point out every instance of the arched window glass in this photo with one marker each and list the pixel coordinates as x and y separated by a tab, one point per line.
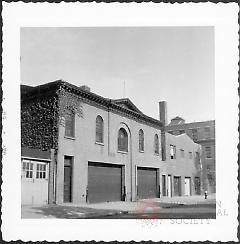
156	144
141	140
122	140
99	129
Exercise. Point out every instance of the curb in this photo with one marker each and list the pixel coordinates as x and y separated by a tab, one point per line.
97	215
184	204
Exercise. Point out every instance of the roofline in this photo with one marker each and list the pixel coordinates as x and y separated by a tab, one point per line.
35	159
128	100
108	103
191	123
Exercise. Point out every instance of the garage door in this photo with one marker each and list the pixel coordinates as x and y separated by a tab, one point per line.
147	183
34	182
104	182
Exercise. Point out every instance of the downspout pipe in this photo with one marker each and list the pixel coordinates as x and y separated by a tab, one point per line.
108	129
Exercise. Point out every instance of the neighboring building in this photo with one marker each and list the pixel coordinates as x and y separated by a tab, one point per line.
202	133
103	149
182	170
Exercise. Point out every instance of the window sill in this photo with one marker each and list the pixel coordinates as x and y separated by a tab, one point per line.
99	143
122	152
70	137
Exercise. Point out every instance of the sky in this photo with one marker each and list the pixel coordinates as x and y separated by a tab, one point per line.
145	64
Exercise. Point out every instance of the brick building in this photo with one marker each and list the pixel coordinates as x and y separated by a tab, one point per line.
102	149
202	133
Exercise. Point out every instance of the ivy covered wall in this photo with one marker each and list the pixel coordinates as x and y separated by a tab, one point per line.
39	123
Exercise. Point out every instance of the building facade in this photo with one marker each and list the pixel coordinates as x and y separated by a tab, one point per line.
104	149
202	133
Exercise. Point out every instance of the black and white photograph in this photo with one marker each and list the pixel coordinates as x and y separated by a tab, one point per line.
89	143
119	123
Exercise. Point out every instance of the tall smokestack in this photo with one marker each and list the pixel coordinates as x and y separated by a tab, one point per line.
163	112
163	119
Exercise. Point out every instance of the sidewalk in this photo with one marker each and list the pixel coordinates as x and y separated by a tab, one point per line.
145	205
84	210
185	200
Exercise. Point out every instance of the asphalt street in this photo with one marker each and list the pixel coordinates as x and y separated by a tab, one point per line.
185	212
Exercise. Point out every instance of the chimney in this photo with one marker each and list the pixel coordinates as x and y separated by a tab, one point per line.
163	112
85	88
163	119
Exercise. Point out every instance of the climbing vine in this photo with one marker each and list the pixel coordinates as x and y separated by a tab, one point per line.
42	116
39	123
68	101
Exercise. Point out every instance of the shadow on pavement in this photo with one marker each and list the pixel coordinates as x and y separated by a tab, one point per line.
181	205
68	212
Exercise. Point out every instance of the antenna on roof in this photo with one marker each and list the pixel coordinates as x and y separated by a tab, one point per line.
123	89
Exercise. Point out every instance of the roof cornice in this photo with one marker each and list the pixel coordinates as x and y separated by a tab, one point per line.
109	104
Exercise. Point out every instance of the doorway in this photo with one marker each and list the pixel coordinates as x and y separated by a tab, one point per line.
187	186
169	186
67	193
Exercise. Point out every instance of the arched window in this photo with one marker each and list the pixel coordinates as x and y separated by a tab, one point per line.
141	140
156	144
99	129
122	140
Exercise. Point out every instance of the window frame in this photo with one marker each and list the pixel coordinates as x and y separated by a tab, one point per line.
156	144
40	171
174	151
192	134
122	143
207	132
27	171
101	127
206	152
141	140
71	114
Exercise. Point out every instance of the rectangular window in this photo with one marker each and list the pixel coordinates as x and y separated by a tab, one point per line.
172	152
182	153
197	160
194	134
197	185
69	123
41	171
27	168
181	132
211	178
207	133
208	152
190	155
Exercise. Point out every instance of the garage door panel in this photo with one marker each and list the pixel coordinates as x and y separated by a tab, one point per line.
147	183
34	183
104	183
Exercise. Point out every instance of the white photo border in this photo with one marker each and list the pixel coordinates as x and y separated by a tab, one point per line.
224	17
